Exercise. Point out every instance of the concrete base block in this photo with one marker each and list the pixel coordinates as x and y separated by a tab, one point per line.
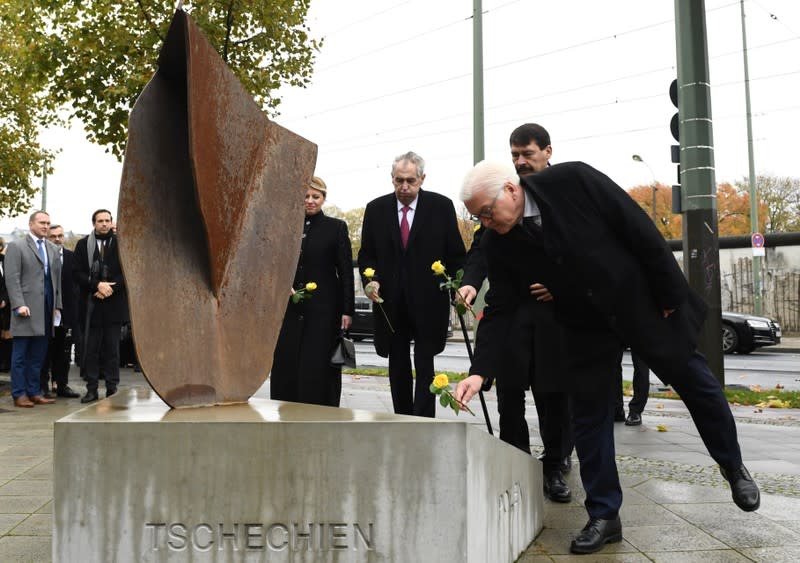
272	481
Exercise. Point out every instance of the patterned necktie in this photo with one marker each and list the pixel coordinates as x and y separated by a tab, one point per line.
404	226
40	244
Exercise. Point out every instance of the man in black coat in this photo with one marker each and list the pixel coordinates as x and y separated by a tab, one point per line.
536	367
612	279
103	301
402	235
58	351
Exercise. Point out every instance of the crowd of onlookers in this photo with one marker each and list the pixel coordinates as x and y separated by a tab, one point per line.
56	304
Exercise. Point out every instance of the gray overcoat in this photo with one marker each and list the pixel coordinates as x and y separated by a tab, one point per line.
24	273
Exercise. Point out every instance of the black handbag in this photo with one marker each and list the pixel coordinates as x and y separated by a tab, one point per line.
344	352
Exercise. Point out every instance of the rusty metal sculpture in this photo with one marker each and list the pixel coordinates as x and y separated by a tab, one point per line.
210	222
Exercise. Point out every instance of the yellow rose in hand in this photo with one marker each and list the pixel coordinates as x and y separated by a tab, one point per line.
437	267
311	286
368	273
441	381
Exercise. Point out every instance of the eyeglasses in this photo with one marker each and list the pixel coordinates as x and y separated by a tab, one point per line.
397	181
487	211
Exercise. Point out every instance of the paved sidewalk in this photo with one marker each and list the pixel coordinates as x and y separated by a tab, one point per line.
677	507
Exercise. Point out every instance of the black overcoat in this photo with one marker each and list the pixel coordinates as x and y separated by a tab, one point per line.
610	271
105	312
434	235
69	292
301	368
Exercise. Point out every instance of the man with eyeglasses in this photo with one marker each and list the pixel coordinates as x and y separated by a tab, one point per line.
612	278
60	347
538	367
402	235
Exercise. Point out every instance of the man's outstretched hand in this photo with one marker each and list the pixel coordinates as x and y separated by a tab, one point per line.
468	388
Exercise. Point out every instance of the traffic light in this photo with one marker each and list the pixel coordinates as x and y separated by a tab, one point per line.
674	123
675	150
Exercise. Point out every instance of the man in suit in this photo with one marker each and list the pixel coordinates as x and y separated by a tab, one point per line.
536	367
402	235
59	350
611	278
103	304
33	276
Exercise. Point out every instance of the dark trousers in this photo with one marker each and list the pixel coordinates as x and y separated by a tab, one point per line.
702	394
102	356
58	359
27	355
5	354
555	427
407	397
513	426
641	385
593	424
533	351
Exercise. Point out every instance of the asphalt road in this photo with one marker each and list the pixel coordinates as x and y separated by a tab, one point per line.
763	368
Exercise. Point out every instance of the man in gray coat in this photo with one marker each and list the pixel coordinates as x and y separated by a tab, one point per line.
33	281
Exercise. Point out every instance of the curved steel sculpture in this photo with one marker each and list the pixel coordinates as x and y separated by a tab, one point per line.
210	219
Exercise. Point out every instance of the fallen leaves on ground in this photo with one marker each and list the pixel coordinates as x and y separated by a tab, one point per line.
661	427
774	403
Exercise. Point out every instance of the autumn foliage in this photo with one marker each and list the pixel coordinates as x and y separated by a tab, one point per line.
733	210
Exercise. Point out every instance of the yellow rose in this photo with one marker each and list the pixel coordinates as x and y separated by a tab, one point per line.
311	286
441	381
437	267
368	273
476	227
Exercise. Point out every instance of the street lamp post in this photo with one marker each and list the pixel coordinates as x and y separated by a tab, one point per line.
638	158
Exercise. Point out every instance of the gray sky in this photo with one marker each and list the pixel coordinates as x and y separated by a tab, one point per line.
396	75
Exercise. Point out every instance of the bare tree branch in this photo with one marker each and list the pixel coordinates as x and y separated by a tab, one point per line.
248	39
228	26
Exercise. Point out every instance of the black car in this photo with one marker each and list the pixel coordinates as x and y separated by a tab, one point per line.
362	320
743	333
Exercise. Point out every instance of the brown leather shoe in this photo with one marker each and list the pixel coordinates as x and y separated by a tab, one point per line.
23	401
39	400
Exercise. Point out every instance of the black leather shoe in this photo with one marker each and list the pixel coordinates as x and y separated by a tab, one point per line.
596	534
67	392
634	419
743	489
555	488
619	415
89	397
110	392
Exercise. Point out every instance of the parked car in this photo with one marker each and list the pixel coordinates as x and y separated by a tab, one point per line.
362	320
743	333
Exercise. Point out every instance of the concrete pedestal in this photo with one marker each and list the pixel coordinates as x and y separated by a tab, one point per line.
271	481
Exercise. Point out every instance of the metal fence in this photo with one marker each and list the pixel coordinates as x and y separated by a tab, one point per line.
781	293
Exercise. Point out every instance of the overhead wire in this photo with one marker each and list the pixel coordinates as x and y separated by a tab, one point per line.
517	61
544	95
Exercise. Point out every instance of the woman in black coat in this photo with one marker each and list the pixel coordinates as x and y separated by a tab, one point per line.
301	370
